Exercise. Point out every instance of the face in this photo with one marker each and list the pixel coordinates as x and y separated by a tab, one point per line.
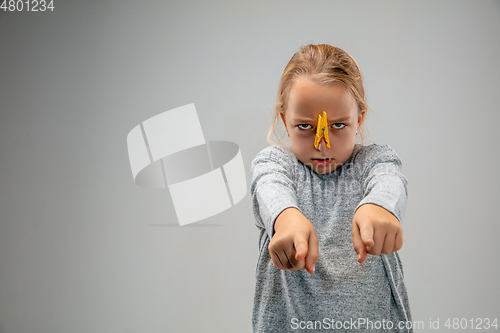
306	101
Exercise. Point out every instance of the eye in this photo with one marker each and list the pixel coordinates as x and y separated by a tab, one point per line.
339	125
304	126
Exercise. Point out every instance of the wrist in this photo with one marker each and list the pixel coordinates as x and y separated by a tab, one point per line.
283	217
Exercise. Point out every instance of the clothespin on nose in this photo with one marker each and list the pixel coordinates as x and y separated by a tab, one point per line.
321	131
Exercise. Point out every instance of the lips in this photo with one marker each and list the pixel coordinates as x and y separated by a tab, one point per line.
322	161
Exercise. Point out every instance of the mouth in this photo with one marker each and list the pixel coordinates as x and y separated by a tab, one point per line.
322	161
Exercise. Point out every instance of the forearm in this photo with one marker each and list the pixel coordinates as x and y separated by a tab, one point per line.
386	187
273	188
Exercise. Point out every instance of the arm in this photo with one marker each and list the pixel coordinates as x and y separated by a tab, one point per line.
293	241
272	188
376	226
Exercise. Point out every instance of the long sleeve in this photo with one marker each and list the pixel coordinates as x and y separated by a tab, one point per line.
383	184
272	189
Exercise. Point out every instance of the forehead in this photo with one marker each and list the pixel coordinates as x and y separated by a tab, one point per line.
307	99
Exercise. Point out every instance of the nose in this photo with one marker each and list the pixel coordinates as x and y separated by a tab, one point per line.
322	145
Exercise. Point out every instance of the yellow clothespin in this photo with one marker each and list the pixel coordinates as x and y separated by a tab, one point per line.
322	131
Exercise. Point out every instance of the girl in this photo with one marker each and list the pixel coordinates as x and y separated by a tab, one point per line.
328	209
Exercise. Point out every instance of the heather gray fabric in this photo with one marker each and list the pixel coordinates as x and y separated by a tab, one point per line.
364	297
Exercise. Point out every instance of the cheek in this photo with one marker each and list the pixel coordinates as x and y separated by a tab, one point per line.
301	145
342	141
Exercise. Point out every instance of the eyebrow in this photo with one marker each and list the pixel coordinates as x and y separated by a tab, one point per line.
312	120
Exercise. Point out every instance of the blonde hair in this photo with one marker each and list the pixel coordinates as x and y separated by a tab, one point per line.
323	64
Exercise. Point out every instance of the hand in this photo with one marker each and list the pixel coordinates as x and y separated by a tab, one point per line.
294	245
375	230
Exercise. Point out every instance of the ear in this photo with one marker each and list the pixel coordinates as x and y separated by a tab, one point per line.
283	118
361	117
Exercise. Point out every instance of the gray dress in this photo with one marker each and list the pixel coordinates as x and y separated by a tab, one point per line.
342	295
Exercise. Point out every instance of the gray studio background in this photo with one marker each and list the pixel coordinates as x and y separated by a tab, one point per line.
84	249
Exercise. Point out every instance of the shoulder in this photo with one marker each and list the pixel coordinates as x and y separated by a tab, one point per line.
274	160
274	154
375	153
